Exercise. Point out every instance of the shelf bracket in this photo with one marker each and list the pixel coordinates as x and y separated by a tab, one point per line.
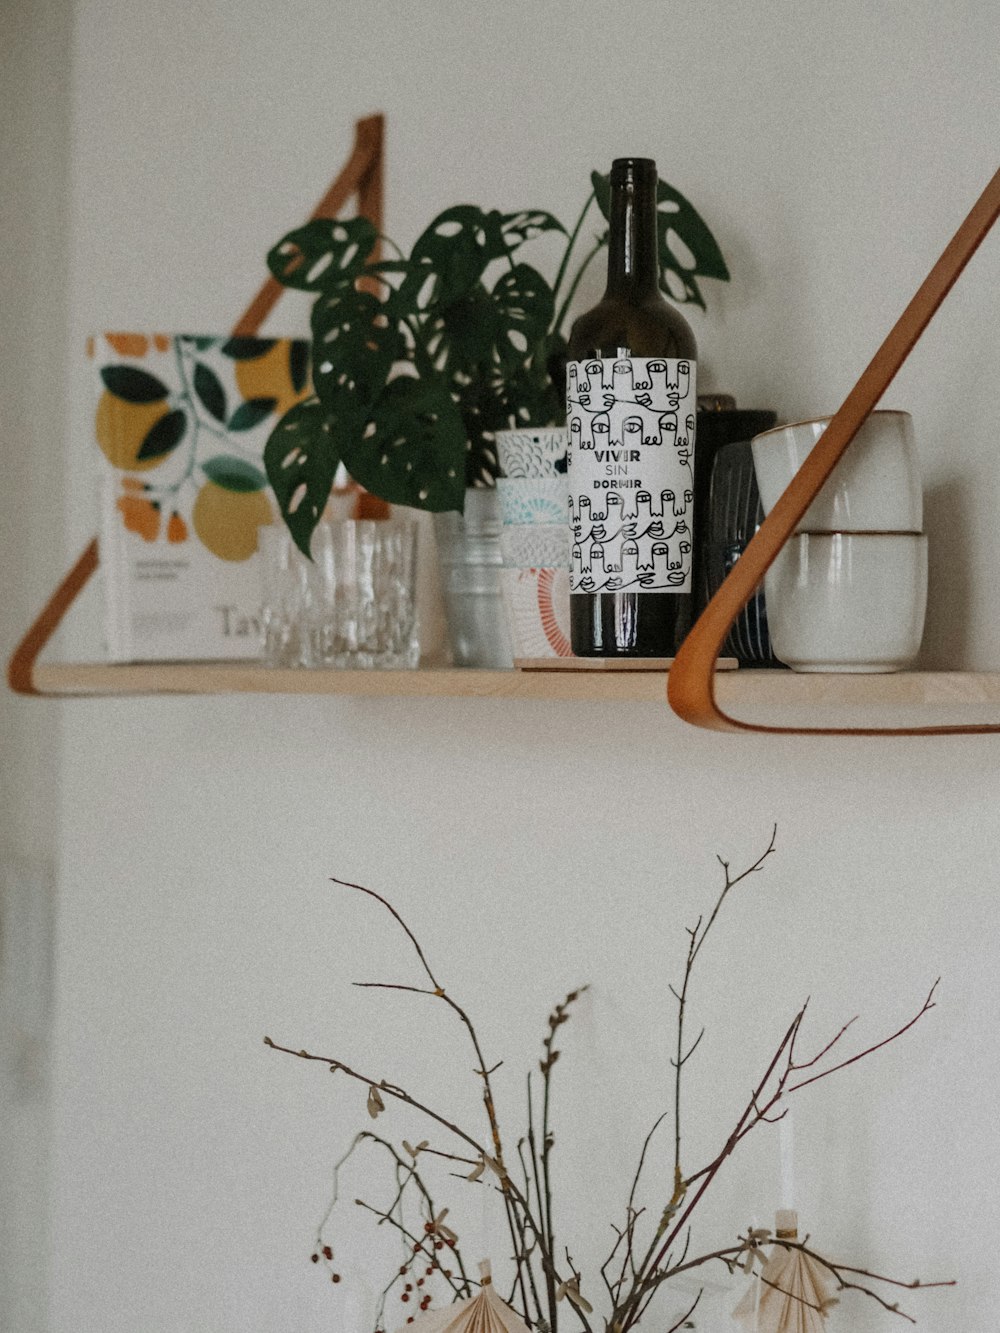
363	178
691	681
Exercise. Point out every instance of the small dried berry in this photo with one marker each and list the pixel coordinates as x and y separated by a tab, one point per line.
327	1252
314	1258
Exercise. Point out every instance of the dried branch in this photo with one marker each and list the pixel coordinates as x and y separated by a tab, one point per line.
557	1018
419	1246
844	1284
337	1066
633	1273
841	1273
481	1066
687	1313
927	1005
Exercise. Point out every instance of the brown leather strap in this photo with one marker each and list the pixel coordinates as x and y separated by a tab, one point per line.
690	683
362	175
21	667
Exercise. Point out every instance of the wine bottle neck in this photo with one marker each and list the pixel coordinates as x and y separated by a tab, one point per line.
633	265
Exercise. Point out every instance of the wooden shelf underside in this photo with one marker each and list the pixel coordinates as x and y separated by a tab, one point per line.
734	689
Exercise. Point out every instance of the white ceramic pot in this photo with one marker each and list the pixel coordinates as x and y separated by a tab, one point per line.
874	488
848	601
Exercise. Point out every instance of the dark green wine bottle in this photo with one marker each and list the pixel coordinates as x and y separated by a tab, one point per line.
631	404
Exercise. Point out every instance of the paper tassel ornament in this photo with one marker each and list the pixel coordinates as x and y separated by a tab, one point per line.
483	1313
792	1294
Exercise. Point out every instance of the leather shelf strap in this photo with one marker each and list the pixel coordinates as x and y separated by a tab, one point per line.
691	681
363	176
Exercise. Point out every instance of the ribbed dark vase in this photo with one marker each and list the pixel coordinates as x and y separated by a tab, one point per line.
733	515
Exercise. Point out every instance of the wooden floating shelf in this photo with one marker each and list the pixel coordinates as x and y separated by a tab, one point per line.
735	689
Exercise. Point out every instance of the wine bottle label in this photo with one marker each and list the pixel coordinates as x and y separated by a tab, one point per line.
631	473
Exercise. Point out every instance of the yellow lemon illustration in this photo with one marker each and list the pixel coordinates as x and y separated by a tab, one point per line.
270	376
227	521
121	427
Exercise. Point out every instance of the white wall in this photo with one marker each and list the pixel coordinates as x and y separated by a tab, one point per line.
34	158
833	148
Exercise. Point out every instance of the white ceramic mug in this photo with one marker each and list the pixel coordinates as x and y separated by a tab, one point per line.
848	601
875	487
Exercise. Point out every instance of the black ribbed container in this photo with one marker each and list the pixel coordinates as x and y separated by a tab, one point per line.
734	515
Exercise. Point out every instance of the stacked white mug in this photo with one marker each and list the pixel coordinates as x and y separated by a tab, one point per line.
848	591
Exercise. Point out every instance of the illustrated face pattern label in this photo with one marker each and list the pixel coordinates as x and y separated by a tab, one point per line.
631	473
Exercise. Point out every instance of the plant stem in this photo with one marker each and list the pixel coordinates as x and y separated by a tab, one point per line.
561	317
569	247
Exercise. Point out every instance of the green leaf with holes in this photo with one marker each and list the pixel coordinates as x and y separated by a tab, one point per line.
525	307
298	363
323	254
687	249
451	255
526	225
163	436
133	385
354	346
675	213
301	457
413	452
464	335
208	387
601	185
233	473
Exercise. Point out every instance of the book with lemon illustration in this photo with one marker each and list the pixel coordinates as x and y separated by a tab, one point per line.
181	421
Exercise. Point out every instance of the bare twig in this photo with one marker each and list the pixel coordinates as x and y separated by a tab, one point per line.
927	1005
633	1273
481	1066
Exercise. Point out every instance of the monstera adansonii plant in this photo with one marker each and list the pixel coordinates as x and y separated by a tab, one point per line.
418	360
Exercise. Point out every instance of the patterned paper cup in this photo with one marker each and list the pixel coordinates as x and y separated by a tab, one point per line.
533	453
537	605
533	499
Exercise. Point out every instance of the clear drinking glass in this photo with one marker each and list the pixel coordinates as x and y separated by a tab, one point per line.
352	605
